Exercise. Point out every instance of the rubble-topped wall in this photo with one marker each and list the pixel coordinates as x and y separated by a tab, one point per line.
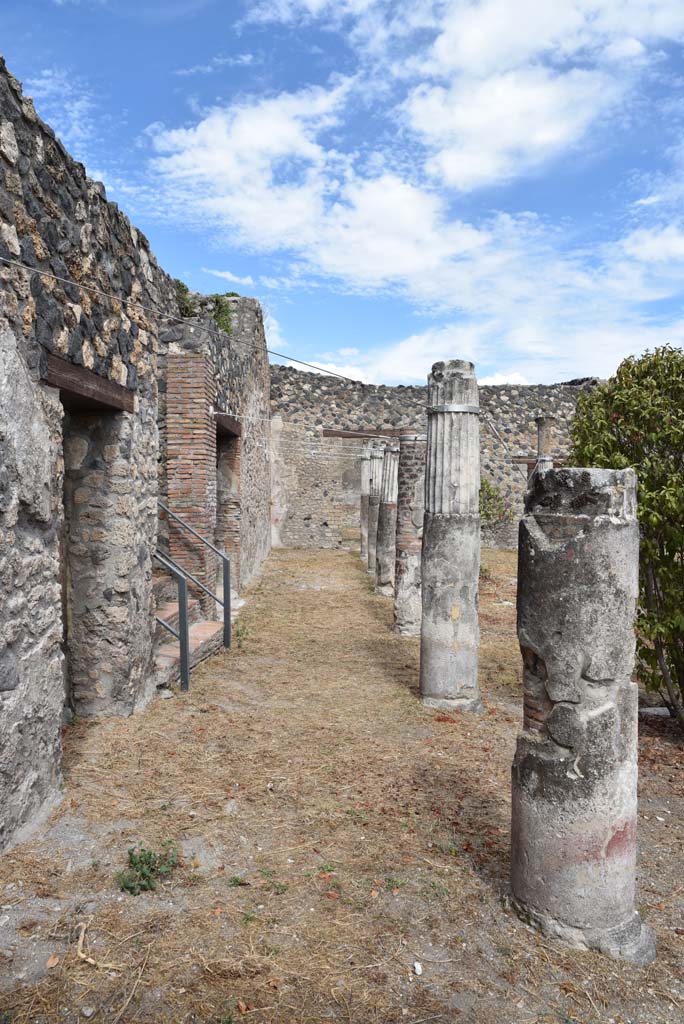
313	490
76	614
237	366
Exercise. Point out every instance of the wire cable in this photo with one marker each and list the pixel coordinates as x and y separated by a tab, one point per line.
169	316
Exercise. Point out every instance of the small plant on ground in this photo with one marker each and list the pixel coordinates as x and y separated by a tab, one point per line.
147	867
234	881
240	633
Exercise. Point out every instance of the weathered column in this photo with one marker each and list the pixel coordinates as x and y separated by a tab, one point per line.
545	424
449	635
387	523
365	491
377	455
575	767
410	512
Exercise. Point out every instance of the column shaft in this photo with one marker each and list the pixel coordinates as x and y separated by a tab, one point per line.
377	455
409	536
451	540
575	768
365	491
387	524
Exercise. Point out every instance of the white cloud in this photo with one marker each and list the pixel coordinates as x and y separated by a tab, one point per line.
255	166
656	245
274	335
483	131
216	63
226	275
510	377
261	171
68	106
495	101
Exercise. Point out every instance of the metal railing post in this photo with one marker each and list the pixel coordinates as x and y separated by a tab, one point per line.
226	602
183	633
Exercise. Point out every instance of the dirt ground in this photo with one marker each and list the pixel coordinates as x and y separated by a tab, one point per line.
334	834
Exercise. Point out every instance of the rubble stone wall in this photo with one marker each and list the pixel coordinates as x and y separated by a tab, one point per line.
316	498
87	308
231	370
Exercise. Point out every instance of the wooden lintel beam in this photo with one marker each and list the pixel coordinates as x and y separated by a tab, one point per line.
84	390
360	434
227	424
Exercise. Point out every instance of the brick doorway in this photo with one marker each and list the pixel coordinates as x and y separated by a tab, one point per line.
228	505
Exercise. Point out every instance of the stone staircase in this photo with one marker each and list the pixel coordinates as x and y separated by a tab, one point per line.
206	634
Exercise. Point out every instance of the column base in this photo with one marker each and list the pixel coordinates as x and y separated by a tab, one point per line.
453	703
386	590
633	940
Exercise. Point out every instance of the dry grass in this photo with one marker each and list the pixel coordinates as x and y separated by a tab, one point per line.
371	833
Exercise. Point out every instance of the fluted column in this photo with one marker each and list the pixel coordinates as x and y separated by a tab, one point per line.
409	536
574	814
365	492
387	523
450	633
375	486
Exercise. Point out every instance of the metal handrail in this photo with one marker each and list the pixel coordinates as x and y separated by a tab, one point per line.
190	529
182	634
189	576
225	560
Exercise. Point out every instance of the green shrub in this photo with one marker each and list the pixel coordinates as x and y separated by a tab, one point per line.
221	313
636	419
494	509
186	306
146	867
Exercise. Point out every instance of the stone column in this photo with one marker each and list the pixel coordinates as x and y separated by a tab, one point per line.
575	767
410	512
365	491
387	523
545	424
450	633
377	455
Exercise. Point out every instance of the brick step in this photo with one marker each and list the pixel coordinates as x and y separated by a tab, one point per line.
169	612
206	637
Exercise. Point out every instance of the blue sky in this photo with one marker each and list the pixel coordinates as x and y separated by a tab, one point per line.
397	182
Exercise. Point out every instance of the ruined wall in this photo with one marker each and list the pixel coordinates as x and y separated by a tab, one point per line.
311	490
235	366
31	679
53	219
316	487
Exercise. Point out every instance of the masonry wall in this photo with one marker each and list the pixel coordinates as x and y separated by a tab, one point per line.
204	371
98	467
312	491
316	486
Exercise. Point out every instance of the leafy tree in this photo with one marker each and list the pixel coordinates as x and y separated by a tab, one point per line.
636	419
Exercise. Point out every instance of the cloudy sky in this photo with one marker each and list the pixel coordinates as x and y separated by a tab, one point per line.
397	181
